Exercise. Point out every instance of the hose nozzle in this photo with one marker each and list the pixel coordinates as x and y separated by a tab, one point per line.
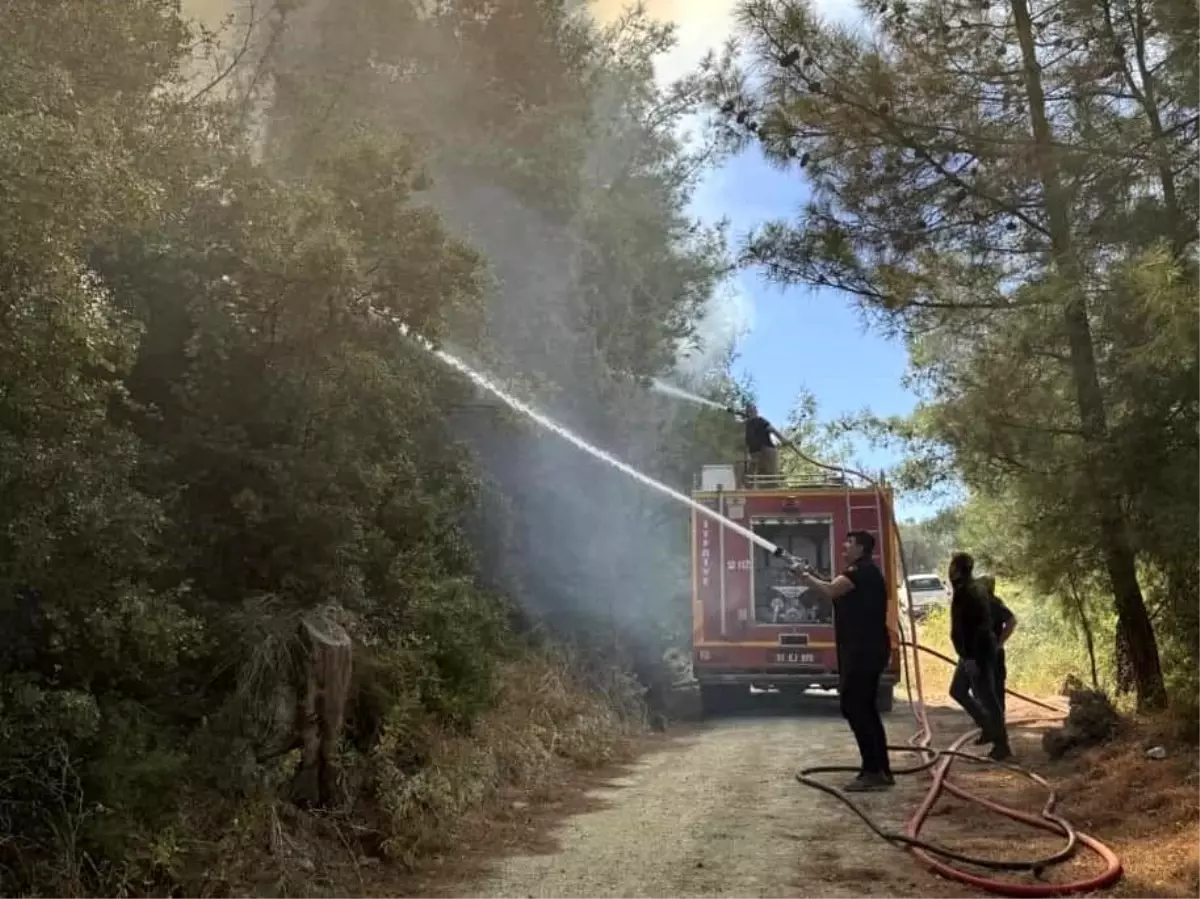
793	562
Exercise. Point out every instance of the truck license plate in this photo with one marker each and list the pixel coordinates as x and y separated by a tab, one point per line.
803	658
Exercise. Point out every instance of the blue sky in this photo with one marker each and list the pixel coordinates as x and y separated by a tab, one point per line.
802	338
794	338
798	337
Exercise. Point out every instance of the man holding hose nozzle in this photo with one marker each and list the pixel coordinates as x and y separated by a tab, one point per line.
859	595
974	684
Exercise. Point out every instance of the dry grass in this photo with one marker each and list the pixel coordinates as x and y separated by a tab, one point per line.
518	823
545	731
1146	811
544	721
1042	653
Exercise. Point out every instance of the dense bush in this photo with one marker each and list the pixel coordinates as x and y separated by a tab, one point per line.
209	427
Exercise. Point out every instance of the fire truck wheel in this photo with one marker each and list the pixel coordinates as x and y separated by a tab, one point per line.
886	698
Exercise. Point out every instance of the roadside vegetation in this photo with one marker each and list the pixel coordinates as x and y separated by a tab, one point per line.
1044	652
1011	188
261	553
283	597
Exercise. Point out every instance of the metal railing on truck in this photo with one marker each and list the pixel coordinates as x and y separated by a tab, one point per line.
748	481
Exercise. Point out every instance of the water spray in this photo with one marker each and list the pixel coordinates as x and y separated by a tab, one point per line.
680	394
935	857
517	405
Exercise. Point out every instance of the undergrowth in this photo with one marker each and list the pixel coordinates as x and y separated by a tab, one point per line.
212	430
544	717
1043	651
194	816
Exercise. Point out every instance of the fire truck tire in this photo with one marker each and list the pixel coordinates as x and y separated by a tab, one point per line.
886	698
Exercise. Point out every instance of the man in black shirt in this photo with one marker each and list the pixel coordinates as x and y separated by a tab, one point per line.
764	457
1004	622
971	631
859	597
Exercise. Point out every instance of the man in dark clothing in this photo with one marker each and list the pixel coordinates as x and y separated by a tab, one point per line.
859	596
1004	622
763	456
978	650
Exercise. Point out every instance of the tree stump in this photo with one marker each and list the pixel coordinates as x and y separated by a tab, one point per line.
1091	721
325	672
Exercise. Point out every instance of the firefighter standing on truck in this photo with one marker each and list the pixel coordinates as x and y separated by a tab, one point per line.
761	450
860	596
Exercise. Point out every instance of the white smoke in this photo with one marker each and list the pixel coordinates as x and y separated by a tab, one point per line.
703	26
728	317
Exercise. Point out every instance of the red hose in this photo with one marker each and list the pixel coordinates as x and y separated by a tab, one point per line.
924	737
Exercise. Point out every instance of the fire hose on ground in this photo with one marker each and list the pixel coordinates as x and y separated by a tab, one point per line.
940	859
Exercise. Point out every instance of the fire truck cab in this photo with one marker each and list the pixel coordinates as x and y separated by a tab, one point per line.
752	624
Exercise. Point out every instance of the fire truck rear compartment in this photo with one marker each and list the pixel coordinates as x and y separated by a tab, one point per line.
777	598
755	626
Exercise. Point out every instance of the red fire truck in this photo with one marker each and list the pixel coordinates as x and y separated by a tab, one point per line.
753	624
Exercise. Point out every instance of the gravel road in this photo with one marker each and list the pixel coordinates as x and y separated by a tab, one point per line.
719	813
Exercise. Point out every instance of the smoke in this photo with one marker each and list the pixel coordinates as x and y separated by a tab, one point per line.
211	12
700	26
728	316
587	548
663	10
703	26
580	545
583	547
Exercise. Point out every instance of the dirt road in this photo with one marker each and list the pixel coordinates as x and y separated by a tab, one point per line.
719	813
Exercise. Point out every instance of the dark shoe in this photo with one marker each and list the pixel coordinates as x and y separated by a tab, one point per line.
1001	752
869	783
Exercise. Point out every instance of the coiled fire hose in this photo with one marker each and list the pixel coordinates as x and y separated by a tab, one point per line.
937	858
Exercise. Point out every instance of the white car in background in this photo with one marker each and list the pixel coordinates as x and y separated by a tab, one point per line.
927	592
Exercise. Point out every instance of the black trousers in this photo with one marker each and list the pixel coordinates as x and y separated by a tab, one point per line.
860	672
981	694
1001	681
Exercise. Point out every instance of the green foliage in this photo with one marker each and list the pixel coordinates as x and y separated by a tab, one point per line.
1045	649
929	544
1008	188
210	423
820	443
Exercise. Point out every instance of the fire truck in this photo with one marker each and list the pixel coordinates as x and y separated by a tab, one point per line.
753	623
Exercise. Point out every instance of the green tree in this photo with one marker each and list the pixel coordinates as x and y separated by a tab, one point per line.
821	442
87	122
929	542
212	422
567	173
975	226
